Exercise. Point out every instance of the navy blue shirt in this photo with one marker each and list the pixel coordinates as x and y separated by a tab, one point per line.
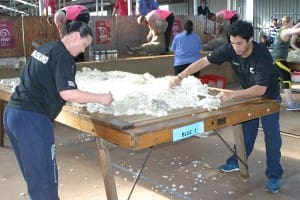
49	70
256	69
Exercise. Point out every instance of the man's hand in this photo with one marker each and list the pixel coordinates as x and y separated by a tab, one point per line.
225	96
174	81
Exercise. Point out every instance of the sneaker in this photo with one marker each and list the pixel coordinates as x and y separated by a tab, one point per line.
273	185
229	167
293	106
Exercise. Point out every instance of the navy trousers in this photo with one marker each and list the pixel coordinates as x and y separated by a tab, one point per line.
32	138
270	124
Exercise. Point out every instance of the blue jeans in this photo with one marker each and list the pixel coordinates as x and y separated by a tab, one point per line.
271	127
31	136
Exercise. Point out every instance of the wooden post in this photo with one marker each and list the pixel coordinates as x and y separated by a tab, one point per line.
1	123
240	149
106	168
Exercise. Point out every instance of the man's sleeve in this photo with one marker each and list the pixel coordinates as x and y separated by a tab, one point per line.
220	55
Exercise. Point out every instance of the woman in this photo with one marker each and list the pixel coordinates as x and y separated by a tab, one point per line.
47	82
186	46
280	53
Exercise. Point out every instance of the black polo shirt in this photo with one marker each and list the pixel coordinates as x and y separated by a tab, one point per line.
256	69
49	70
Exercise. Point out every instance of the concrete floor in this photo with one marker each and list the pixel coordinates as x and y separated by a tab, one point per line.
184	170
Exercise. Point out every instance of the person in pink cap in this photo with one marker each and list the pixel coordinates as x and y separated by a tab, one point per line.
73	13
228	15
150	19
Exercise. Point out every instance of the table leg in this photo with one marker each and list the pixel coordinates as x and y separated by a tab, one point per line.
241	150
106	168
1	123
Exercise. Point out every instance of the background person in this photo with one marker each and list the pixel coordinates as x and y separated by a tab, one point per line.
280	53
143	7
203	8
47	83
150	19
71	13
120	8
49	7
295	41
157	43
186	46
252	63
220	38
273	30
219	17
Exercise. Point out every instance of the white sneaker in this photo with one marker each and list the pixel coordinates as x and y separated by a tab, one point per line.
293	106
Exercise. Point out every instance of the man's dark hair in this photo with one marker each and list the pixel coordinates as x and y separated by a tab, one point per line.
188	27
241	28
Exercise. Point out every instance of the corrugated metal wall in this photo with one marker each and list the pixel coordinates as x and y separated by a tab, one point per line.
265	10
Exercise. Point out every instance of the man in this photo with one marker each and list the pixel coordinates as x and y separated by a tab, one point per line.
203	8
156	45
47	82
253	66
150	21
273	30
280	51
220	39
120	8
71	13
228	15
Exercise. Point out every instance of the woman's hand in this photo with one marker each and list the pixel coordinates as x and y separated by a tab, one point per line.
106	99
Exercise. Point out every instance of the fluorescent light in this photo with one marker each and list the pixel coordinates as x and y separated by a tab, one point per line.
14	10
27	3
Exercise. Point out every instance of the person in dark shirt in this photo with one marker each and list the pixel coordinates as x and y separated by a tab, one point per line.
203	8
253	65
46	84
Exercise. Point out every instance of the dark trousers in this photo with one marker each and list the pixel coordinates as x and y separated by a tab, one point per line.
32	139
179	68
271	127
170	20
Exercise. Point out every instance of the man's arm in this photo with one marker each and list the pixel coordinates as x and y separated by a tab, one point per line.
286	33
195	67
191	69
151	23
59	21
293	42
252	92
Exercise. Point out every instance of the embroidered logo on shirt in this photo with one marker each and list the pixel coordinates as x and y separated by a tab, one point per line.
71	84
40	57
251	70
236	63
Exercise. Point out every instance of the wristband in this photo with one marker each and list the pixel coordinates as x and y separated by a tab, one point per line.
179	76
